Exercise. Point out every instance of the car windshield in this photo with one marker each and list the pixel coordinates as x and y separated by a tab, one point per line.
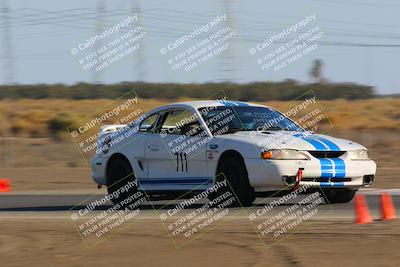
230	119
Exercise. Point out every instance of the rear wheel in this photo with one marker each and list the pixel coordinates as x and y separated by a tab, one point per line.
233	170
120	181
339	195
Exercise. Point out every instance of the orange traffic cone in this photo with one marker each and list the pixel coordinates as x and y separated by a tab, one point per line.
5	185
362	211
387	208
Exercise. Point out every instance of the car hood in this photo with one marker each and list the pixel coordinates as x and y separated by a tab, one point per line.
294	140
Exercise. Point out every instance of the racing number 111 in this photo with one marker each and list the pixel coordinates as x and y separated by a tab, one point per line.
181	162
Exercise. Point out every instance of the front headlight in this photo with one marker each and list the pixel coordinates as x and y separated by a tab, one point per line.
283	154
359	154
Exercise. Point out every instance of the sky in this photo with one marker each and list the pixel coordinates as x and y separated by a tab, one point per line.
360	41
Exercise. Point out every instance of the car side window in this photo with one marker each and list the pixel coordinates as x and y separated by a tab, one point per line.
180	122
148	125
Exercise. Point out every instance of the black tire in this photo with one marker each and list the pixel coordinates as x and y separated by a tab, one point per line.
119	174
333	196
235	172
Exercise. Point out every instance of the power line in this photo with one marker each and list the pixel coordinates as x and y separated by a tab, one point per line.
252	39
338	32
381	5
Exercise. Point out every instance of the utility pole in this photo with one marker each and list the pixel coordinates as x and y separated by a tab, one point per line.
9	78
228	64
140	67
101	11
9	62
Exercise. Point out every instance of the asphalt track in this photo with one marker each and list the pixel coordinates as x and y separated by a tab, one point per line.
42	204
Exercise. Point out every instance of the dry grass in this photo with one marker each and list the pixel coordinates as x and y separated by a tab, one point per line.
31	117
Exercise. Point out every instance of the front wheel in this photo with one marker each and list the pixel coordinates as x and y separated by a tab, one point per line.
339	195
120	182
233	170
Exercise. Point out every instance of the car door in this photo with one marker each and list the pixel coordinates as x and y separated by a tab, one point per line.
147	128
176	153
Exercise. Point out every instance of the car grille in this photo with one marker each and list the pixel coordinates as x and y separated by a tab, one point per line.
326	154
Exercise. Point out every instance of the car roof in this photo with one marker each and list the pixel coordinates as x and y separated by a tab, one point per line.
208	103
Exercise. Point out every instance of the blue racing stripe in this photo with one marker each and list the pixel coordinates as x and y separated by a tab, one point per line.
326	165
227	103
340	168
328	184
178	180
241	104
330	168
317	145
332	146
326	168
233	103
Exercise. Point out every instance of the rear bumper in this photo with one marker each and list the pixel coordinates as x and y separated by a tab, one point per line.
267	175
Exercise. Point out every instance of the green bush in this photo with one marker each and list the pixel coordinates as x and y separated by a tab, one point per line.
59	124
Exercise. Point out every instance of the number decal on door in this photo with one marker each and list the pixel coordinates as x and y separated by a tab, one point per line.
181	162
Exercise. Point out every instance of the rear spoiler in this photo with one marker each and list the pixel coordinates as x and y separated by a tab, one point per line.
104	134
106	129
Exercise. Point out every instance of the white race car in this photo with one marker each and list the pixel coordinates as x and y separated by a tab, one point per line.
187	147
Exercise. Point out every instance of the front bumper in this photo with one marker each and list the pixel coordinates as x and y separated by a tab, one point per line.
268	175
98	170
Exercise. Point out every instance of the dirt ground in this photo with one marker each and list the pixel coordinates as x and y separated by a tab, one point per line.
55	242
